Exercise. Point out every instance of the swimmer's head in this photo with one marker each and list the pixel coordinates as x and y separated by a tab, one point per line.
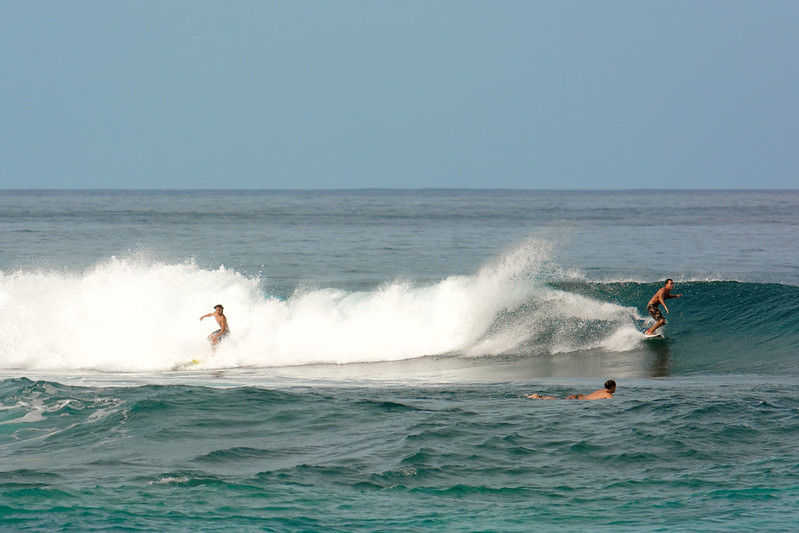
610	385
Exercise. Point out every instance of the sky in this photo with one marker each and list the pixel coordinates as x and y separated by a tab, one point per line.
343	94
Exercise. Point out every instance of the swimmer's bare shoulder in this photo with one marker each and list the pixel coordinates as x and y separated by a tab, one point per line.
601	394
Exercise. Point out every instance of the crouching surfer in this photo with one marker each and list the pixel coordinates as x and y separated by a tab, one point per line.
601	394
223	331
660	297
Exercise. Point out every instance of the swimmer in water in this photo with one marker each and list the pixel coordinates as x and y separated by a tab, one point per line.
601	394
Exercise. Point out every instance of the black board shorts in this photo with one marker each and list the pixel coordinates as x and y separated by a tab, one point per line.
654	312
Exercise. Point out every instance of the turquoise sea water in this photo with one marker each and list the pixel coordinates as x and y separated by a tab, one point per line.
695	454
383	344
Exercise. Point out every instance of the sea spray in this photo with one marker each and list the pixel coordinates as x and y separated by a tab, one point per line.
138	315
121	315
399	320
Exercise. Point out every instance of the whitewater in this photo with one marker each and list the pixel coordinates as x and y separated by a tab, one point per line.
135	315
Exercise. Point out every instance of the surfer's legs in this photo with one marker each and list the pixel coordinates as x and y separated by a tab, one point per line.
214	340
651	331
537	396
654	312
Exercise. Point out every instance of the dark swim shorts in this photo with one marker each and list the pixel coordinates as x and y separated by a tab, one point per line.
225	334
654	312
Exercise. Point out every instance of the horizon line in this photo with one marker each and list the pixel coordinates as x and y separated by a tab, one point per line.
393	189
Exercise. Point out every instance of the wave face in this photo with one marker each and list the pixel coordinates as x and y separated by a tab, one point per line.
717	326
137	315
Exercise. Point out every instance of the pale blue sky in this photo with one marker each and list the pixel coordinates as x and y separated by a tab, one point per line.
403	94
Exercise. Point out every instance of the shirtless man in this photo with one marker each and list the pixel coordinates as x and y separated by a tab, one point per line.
601	394
660	297
221	319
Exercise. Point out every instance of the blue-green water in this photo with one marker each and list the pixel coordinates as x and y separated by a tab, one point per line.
699	454
383	344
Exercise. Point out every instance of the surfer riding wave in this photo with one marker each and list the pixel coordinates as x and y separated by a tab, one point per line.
660	297
223	331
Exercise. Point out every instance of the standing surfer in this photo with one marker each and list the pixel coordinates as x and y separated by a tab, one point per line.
660	297
221	319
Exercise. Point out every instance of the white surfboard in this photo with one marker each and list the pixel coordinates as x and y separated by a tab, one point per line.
655	336
185	366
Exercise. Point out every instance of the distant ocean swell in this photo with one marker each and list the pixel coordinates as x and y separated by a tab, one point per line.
135	315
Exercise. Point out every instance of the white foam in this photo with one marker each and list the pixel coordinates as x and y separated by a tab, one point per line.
170	480
138	315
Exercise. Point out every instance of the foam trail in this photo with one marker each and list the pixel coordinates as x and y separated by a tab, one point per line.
136	315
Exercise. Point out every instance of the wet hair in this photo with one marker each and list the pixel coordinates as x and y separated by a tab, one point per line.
668	280
220	307
610	384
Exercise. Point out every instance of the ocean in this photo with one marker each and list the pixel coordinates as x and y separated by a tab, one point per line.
382	346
